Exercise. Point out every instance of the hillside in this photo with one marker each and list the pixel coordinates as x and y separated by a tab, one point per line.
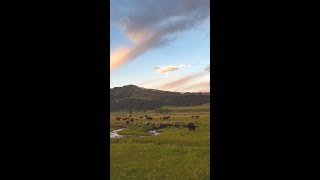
137	98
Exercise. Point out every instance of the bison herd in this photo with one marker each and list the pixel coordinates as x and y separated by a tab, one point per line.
190	125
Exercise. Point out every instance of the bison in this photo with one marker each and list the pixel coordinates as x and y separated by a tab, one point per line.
165	117
191	126
149	118
118	118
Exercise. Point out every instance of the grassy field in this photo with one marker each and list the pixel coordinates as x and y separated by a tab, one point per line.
176	153
191	109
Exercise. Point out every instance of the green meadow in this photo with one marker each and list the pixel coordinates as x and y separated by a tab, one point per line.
176	153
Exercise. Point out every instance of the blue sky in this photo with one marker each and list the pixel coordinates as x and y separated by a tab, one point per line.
159	45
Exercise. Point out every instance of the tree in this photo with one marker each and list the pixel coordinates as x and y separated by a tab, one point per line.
130	112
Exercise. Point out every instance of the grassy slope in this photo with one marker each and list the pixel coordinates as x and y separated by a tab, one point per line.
176	109
174	154
200	108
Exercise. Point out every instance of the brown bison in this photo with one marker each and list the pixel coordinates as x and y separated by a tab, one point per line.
191	126
165	117
149	118
118	118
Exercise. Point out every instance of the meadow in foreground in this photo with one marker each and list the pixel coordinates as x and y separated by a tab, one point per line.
176	153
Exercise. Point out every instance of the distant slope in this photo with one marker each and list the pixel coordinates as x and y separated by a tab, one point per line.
137	98
185	109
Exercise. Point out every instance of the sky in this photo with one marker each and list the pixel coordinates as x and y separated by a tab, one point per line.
160	44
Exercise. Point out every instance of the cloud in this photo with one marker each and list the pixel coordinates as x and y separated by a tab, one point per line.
151	24
149	82
179	82
164	69
207	68
119	57
197	87
184	80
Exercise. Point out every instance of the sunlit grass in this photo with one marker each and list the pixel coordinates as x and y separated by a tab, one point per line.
177	153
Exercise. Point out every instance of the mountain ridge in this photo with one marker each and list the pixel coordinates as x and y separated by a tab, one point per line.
138	98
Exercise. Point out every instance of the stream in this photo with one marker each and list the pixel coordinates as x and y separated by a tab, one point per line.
114	134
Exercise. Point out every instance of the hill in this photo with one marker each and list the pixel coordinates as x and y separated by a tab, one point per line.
138	98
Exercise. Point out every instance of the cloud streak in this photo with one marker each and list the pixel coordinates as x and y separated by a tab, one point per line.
165	69
151	24
179	82
207	68
198	87
183	80
119	57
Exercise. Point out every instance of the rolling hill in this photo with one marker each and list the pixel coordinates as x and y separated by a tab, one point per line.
138	98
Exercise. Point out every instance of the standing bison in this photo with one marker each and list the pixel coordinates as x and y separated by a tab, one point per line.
191	126
165	117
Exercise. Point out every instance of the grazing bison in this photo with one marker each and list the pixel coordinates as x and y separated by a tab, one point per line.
118	118
191	126
165	117
149	118
131	119
127	121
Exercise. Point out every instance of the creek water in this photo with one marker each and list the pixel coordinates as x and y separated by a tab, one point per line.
114	134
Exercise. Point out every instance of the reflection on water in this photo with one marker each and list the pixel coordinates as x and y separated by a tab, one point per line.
154	132
114	134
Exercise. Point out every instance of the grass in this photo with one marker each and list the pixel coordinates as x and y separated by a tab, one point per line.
177	153
191	109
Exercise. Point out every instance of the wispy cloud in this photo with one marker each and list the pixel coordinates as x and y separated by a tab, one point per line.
150	24
118	57
168	68
197	87
149	83
207	68
183	80
178	82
